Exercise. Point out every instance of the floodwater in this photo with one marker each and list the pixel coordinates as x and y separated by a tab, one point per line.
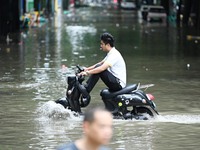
33	73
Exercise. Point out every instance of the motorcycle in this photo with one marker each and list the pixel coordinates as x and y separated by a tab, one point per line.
129	103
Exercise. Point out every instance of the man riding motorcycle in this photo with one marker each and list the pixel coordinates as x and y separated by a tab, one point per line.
111	70
124	102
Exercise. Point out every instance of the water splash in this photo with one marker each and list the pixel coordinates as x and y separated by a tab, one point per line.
56	111
53	110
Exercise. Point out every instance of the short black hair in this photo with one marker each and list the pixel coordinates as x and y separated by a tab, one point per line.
89	115
107	38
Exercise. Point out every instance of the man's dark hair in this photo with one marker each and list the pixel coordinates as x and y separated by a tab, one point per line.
107	38
89	115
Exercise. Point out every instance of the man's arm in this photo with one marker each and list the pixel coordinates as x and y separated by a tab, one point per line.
93	66
96	70
99	69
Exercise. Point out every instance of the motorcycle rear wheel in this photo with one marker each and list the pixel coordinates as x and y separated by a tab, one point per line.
144	110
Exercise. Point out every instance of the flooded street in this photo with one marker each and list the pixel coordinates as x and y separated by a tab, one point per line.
33	73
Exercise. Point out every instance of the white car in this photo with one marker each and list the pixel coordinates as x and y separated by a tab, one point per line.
156	13
128	4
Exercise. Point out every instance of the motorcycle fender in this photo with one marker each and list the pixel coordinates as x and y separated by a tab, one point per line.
130	100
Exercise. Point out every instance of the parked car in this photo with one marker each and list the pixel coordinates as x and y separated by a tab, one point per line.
153	13
128	4
156	13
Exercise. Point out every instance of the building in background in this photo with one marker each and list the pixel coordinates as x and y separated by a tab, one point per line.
182	12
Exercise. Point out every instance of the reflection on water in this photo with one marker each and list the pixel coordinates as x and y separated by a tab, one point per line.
77	35
33	73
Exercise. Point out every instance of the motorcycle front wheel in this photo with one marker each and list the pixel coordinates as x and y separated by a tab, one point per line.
63	101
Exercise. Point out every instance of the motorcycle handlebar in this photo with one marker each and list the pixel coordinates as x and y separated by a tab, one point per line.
79	68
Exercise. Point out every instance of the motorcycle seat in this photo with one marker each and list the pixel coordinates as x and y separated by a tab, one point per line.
106	94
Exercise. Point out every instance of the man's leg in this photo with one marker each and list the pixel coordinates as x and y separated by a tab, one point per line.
108	78
91	82
110	81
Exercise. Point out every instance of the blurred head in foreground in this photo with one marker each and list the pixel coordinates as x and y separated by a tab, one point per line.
97	131
97	125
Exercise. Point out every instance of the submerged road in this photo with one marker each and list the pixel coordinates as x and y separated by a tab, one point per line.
33	73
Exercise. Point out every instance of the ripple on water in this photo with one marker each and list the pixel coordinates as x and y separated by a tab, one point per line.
182	119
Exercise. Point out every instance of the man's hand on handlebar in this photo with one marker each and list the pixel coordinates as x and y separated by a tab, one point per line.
86	69
83	73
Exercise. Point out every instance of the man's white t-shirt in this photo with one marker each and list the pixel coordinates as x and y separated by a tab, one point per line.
117	65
